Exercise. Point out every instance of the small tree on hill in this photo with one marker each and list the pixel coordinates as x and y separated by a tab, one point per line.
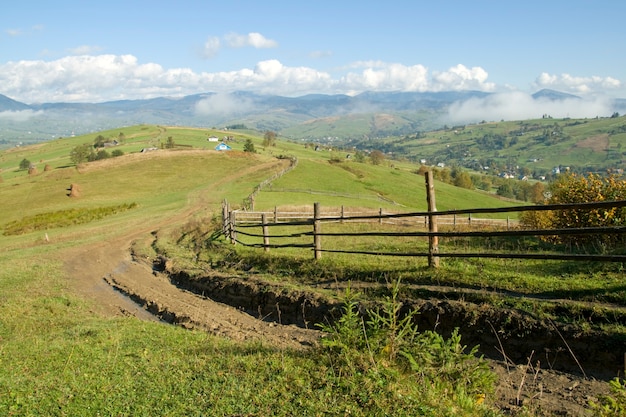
269	138
81	153
249	146
377	157
24	164
99	141
359	156
463	180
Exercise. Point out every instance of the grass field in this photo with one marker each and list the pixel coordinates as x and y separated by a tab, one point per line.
58	357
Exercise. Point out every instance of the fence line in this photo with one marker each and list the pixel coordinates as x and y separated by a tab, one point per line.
237	222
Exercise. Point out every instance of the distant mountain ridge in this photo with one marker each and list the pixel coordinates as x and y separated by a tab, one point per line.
307	116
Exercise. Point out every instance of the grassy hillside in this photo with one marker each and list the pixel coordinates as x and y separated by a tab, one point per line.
59	357
536	146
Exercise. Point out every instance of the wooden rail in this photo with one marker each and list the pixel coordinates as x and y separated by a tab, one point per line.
459	223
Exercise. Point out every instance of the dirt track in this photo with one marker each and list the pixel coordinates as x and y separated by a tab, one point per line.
101	272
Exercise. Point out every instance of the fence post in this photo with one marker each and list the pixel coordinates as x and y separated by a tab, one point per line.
275	214
433	240
317	228
233	232
342	213
225	220
266	235
380	215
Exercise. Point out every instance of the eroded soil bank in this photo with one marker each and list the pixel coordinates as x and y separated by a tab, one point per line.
502	334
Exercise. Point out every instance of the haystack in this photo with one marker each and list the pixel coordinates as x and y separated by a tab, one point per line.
74	191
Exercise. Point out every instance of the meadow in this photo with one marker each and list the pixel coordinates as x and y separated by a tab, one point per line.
59	356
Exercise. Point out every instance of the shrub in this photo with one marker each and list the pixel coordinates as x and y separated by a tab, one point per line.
249	146
24	164
572	188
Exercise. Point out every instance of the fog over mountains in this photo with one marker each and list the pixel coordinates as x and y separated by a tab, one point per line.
37	122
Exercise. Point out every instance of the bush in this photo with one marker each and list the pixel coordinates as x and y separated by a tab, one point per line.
572	188
24	164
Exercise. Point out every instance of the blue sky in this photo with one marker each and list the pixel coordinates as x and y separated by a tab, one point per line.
92	51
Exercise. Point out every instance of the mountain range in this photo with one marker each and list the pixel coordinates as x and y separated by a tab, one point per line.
369	114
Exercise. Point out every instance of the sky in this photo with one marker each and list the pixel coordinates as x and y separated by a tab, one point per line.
96	51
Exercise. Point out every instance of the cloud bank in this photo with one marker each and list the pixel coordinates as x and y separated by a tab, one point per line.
520	106
576	85
223	104
19	115
97	78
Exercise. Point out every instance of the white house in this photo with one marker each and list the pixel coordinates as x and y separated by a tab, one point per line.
213	139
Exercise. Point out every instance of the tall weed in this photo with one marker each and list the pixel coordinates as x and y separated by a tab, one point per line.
388	352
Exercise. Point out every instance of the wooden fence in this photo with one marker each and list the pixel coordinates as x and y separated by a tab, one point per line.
239	222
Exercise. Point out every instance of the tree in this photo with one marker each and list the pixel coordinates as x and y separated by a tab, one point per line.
24	164
170	143
463	180
377	157
99	141
102	154
269	138
81	153
359	156
249	146
536	193
506	190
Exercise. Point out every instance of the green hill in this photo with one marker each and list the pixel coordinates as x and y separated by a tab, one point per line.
519	147
320	176
60	356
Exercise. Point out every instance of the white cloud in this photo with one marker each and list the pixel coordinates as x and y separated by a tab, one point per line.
389	77
211	47
577	85
254	39
462	78
213	44
223	104
521	106
96	78
19	115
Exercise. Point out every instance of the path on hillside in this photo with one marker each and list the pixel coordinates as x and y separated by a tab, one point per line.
94	270
99	272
